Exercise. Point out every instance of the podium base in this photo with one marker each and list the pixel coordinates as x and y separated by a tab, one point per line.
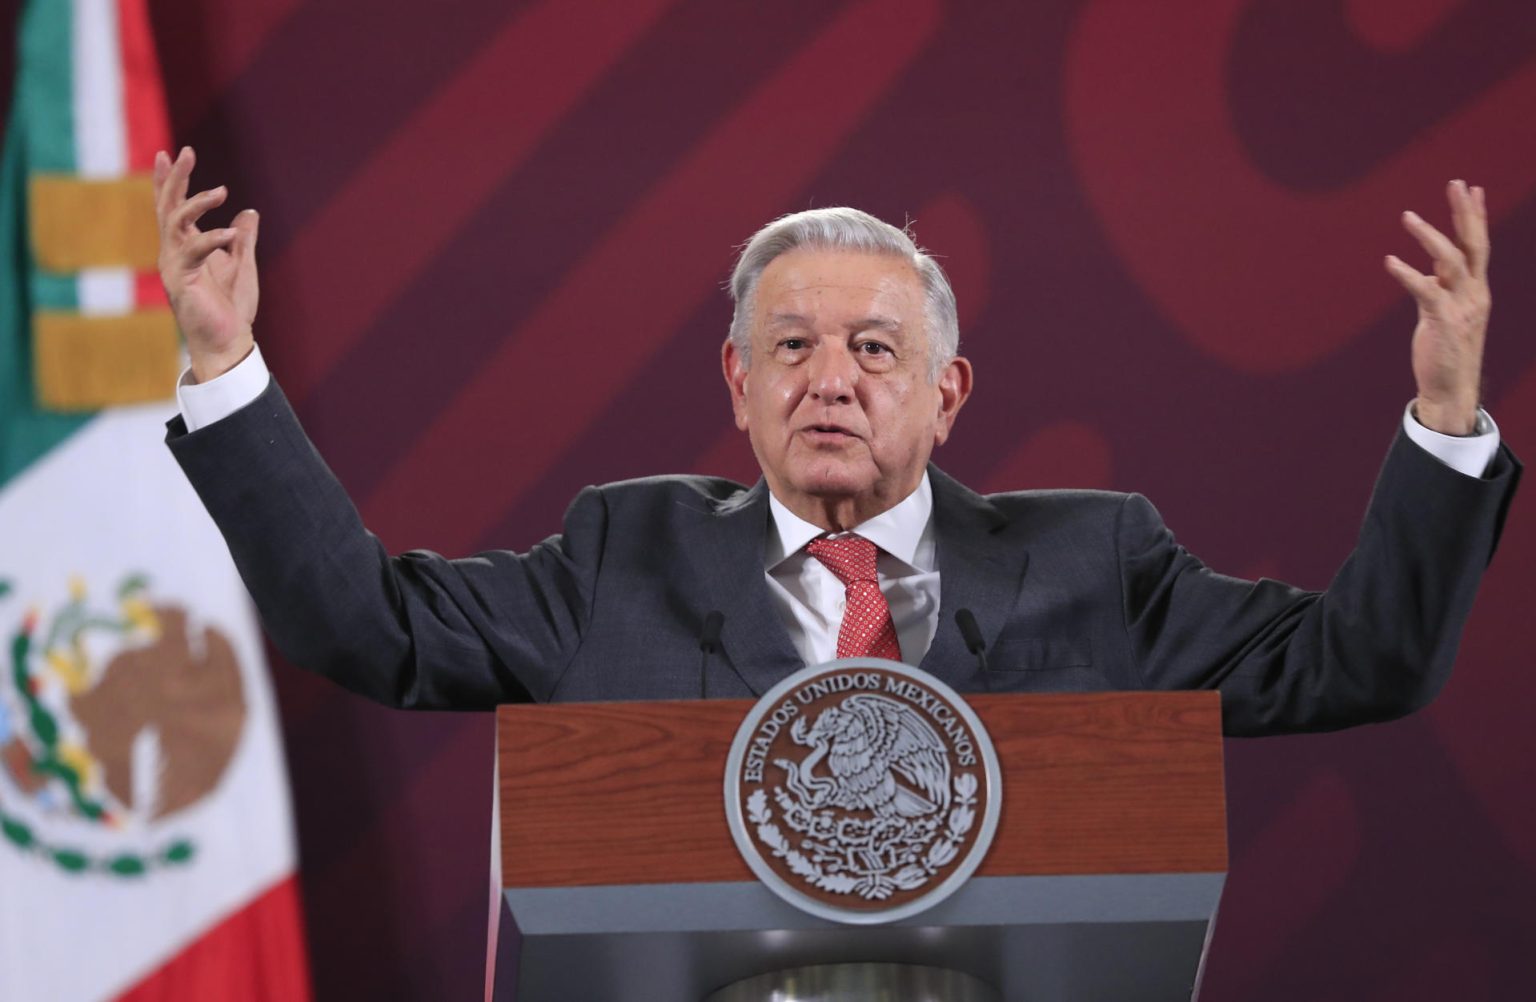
858	983
1112	936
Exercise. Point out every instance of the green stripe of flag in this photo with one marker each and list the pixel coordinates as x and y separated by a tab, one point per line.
53	291
45	85
39	136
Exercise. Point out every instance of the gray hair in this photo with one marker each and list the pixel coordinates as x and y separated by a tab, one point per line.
843	228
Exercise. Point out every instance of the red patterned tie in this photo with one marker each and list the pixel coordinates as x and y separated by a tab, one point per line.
867	629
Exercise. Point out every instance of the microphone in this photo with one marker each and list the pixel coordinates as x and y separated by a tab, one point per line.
974	642
709	643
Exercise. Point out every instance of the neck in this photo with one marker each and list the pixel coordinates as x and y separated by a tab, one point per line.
837	515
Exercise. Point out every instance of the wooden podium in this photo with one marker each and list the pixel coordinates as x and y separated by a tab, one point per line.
618	880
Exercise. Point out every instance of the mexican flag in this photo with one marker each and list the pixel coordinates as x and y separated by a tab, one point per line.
146	845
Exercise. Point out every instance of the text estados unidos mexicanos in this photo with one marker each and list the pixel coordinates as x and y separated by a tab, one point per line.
894	685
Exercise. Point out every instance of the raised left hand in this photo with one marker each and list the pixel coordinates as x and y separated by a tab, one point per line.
1454	304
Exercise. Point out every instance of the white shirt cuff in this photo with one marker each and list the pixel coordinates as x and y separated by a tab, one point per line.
204	403
1471	455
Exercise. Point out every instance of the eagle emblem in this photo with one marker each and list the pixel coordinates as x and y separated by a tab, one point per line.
882	757
855	789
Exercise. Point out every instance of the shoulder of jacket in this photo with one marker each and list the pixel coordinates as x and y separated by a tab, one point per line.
680	488
1059	500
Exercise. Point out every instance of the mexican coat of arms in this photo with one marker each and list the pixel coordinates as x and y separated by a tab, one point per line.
862	790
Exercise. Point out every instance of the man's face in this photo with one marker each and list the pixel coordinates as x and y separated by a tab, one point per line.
837	400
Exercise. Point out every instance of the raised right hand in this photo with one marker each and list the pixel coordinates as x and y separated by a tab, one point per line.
210	278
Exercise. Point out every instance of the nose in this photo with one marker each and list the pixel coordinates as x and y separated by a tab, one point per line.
833	374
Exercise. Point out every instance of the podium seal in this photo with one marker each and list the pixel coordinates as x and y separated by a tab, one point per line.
862	790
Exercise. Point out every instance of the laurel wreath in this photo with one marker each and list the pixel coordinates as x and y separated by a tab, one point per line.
73	860
73	621
877	885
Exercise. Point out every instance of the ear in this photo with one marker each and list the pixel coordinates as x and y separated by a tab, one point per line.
954	390
735	369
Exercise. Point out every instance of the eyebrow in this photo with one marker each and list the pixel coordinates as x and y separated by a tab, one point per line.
787	320
889	324
876	322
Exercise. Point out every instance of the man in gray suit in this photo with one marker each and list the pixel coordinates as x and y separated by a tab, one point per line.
843	370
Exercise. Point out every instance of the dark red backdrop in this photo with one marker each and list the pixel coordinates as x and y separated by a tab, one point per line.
492	247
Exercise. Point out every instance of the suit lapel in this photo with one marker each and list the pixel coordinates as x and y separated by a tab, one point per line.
978	571
728	544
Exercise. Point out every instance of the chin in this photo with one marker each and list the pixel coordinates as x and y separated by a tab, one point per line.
835	482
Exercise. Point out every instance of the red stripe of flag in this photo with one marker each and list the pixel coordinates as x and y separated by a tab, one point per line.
148	291
146	126
255	955
144	115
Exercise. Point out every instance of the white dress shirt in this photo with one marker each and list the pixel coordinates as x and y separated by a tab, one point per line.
808	596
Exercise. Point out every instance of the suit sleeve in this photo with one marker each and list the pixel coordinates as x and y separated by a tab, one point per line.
417	630
1376	645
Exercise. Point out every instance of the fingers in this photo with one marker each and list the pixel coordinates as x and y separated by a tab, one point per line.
1450	262
190	211
1424	288
181	241
246	224
1468	254
195	251
1469	216
171	180
164	168
171	190
181	173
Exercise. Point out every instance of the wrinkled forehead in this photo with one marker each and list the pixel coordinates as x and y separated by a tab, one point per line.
811	287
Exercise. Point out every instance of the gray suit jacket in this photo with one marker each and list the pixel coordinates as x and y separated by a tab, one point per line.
1073	590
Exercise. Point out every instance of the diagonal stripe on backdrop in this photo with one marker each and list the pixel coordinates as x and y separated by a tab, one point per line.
229	34
541	389
1195	187
418	189
325	87
620	141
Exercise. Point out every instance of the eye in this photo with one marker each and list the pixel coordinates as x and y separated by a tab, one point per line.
873	348
792	343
